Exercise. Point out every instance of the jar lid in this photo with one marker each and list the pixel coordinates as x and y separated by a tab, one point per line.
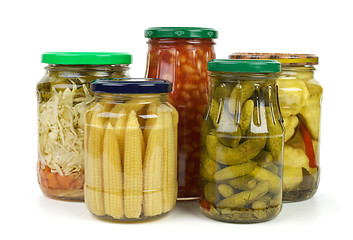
248	66
285	59
180	32
87	58
131	85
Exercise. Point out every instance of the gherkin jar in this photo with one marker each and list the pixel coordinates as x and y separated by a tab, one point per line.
242	143
63	94
130	153
300	102
180	55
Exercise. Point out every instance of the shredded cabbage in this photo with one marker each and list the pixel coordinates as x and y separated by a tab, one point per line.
61	133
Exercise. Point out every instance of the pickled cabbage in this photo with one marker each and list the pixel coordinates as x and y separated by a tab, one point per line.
61	129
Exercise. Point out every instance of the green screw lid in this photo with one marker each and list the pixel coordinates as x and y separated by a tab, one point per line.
248	66
180	32
90	58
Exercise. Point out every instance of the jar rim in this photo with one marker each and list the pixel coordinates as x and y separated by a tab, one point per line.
286	59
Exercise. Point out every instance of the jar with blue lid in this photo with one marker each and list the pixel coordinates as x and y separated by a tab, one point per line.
131	150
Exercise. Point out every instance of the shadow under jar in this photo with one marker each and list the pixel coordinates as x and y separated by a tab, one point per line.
180	55
300	98
130	153
63	95
242	143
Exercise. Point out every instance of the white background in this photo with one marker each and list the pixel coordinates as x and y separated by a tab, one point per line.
29	28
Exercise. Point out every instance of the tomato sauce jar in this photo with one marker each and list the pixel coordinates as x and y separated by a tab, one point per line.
180	55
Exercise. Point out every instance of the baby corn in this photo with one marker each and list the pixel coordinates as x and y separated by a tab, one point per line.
94	178
152	204
133	168
169	168
112	175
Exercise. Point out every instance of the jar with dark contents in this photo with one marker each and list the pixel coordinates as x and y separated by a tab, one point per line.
300	102
242	143
180	55
63	95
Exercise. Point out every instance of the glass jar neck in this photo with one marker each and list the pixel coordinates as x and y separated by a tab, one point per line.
176	41
76	71
84	68
235	77
297	72
124	98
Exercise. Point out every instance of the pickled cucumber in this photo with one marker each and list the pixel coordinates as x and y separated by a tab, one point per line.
264	159
245	182
240	93
262	174
234	171
245	197
230	139
210	192
246	116
275	140
209	164
225	190
221	118
231	156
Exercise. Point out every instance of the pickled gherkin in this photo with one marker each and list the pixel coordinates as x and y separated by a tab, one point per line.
241	151
230	156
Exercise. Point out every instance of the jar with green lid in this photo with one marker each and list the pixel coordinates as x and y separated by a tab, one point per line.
63	95
300	97
130	154
180	55
242	142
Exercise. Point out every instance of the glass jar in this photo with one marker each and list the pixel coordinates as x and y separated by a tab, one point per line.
300	102
130	154
63	94
242	143
180	55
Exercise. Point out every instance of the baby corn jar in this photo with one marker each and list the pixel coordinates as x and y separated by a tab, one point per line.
242	143
300	102
131	150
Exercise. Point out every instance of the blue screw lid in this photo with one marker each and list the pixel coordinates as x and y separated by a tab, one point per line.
131	86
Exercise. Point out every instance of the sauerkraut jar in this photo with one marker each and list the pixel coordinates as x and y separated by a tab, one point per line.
300	101
63	95
130	154
180	55
242	143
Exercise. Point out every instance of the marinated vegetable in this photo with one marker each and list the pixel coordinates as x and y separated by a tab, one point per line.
63	95
242	182
180	55
130	156
300	102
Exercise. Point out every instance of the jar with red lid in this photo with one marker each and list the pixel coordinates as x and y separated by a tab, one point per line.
180	55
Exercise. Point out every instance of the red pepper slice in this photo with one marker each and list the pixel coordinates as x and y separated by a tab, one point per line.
205	205
309	148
